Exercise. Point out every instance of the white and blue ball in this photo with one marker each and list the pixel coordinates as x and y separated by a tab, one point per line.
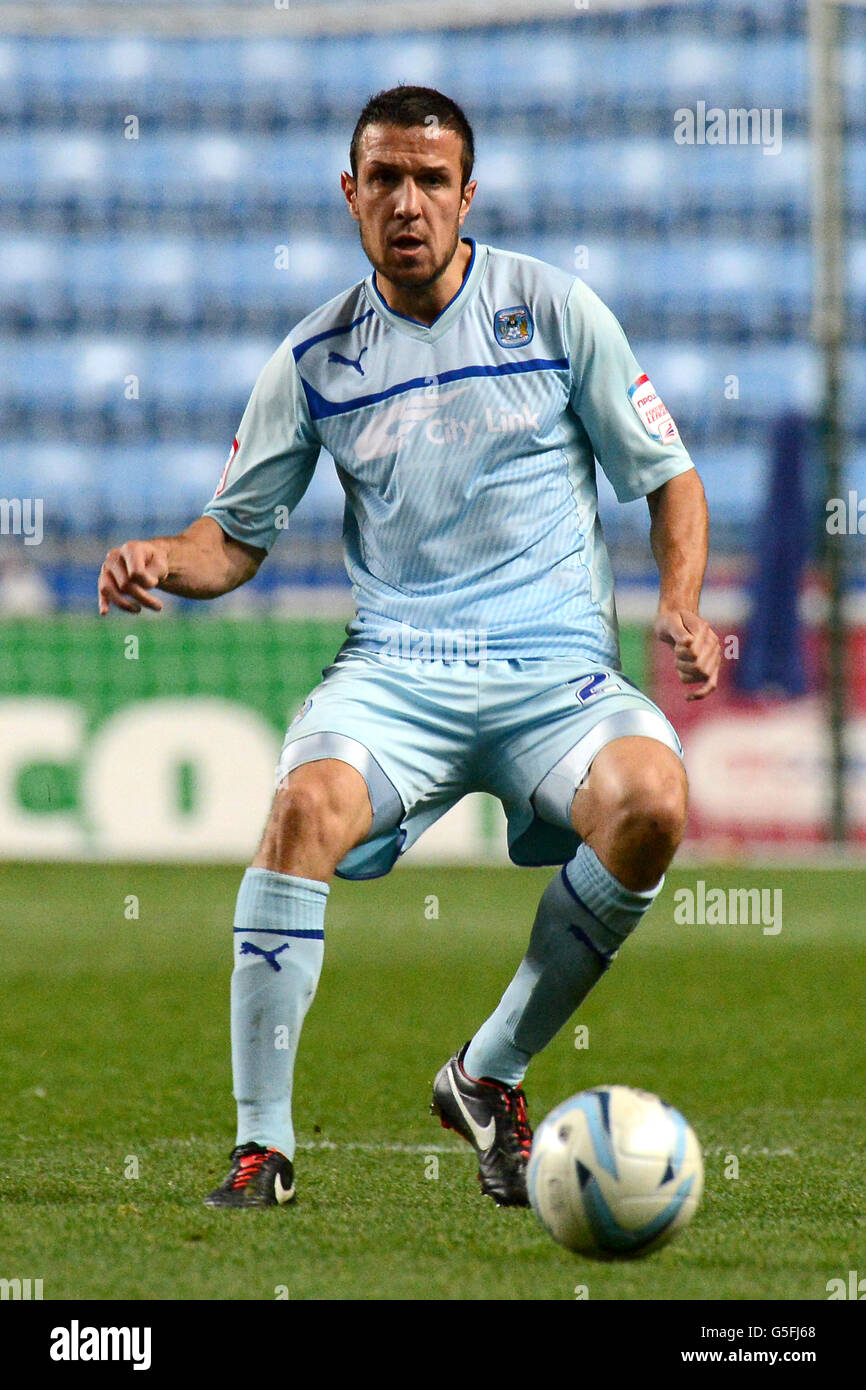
614	1172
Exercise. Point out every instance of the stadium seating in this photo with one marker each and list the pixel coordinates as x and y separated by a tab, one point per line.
142	290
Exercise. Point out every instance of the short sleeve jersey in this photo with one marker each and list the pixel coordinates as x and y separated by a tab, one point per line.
467	454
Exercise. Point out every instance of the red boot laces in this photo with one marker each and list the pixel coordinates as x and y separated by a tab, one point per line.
249	1168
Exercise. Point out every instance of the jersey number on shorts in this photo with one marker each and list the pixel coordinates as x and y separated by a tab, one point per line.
594	686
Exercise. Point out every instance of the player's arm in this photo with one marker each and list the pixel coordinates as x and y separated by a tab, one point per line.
201	562
266	474
638	446
679	529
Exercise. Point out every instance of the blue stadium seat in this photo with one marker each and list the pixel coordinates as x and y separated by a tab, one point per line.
155	257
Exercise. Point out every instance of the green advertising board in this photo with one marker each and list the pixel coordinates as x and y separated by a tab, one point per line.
157	737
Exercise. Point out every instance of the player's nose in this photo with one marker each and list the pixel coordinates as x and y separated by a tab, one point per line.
408	199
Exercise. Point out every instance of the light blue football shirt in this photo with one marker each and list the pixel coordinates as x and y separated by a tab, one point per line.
466	451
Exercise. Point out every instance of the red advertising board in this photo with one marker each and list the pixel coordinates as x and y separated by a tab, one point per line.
759	765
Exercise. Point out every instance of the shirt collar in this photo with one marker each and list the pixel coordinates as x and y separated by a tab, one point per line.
453	309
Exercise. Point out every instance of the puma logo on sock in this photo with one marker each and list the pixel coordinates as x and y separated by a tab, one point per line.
249	948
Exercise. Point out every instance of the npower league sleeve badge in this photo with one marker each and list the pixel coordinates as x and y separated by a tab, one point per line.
652	411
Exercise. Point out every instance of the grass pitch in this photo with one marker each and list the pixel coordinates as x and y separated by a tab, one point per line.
119	1115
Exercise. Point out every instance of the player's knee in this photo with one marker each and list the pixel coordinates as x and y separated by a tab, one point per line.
302	811
650	812
310	812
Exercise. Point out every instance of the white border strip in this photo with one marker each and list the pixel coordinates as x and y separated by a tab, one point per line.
264	19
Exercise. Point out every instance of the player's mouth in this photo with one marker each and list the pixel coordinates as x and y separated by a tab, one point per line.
407	243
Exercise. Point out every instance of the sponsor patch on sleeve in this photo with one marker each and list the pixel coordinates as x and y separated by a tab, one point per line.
652	411
225	473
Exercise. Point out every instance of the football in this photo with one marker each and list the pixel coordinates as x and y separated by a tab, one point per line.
614	1173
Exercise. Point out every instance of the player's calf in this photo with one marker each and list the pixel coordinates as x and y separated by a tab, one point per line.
320	811
630	814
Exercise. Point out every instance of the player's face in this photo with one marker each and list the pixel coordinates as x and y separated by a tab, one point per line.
408	201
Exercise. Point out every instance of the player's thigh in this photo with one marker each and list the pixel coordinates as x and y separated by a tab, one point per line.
404	726
633	783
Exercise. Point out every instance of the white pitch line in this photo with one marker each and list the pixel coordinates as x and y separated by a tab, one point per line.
330	1146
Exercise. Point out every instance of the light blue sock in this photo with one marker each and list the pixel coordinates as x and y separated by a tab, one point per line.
279	944
583	918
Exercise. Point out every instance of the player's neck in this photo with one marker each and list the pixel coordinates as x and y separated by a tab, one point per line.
426	305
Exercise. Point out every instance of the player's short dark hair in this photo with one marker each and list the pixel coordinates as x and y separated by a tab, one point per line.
411	106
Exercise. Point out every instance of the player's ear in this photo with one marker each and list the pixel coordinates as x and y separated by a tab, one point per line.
466	198
350	189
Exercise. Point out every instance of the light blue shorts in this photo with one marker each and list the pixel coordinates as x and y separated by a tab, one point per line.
425	733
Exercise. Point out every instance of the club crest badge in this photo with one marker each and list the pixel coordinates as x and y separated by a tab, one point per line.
513	327
305	709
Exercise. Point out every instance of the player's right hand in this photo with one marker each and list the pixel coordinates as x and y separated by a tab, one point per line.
128	572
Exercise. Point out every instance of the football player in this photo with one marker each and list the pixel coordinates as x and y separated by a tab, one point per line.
465	394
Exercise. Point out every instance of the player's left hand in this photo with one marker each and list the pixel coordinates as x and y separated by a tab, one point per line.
697	649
